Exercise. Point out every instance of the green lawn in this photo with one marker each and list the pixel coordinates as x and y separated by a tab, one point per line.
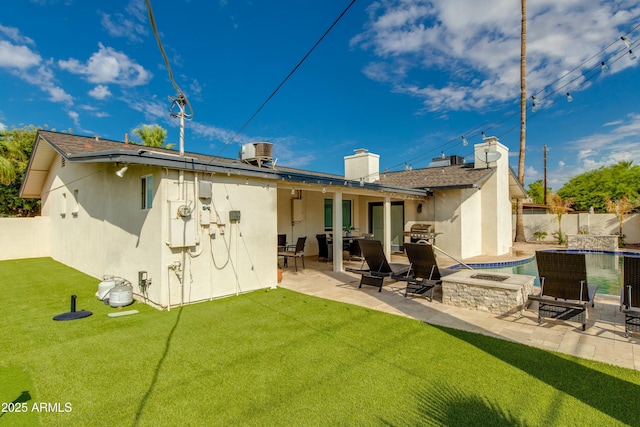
276	358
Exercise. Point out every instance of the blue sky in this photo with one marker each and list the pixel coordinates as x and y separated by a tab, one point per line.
402	78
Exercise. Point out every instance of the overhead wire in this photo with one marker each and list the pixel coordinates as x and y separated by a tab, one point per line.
619	54
304	58
154	28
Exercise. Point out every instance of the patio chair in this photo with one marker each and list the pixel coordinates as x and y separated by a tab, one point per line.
294	252
424	274
379	268
564	292
630	295
323	247
282	242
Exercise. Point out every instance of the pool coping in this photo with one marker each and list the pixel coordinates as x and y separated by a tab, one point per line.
532	257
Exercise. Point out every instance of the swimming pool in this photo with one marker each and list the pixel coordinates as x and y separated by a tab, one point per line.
603	269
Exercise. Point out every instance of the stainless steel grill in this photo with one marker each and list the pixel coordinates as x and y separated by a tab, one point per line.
420	232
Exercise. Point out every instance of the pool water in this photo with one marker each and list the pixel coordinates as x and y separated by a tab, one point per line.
603	269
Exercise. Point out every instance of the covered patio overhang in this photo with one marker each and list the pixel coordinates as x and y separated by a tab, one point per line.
321	187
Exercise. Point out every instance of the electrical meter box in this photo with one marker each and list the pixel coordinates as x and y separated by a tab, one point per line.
182	224
234	216
204	190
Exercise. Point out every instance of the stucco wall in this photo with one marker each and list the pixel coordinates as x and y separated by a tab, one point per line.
596	224
107	232
25	238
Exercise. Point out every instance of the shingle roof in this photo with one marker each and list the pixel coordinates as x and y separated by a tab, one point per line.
438	178
78	146
93	149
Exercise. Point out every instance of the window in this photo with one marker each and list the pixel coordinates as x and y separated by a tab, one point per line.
147	191
328	213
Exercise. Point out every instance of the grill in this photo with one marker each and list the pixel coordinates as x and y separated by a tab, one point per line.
421	232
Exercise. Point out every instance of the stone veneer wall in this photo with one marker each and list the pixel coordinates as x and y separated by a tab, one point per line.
508	297
592	242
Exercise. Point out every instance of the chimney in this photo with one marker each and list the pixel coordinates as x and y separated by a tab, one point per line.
491	153
362	164
126	139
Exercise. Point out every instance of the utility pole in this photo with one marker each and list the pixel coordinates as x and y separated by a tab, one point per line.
544	195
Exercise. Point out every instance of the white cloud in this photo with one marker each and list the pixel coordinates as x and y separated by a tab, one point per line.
20	57
477	44
132	24
108	66
151	109
3	127
75	117
43	77
28	65
100	92
622	143
13	34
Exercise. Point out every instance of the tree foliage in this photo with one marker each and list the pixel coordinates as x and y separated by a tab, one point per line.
621	208
594	188
16	145
152	136
536	192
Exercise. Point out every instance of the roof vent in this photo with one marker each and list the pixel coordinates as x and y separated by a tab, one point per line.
257	153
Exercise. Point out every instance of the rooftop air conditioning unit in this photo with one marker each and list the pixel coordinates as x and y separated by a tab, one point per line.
257	153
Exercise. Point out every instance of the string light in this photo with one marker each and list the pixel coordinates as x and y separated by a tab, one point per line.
552	89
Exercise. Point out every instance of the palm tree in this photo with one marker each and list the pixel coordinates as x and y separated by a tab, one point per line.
520	237
12	156
621	208
559	207
153	136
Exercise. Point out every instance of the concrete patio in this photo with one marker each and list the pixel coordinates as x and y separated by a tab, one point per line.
603	339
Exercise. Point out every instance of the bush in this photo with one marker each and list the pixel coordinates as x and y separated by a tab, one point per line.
561	237
540	235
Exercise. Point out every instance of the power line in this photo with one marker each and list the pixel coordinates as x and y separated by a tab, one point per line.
287	77
619	54
181	96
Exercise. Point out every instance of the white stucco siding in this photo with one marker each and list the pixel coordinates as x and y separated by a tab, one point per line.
75	211
448	221
458	215
497	212
230	257
25	237
471	229
108	232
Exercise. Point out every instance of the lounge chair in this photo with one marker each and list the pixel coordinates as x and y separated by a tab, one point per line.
630	295
294	252
564	292
379	268
424	274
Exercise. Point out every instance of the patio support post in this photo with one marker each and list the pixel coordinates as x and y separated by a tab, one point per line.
386	228
337	231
